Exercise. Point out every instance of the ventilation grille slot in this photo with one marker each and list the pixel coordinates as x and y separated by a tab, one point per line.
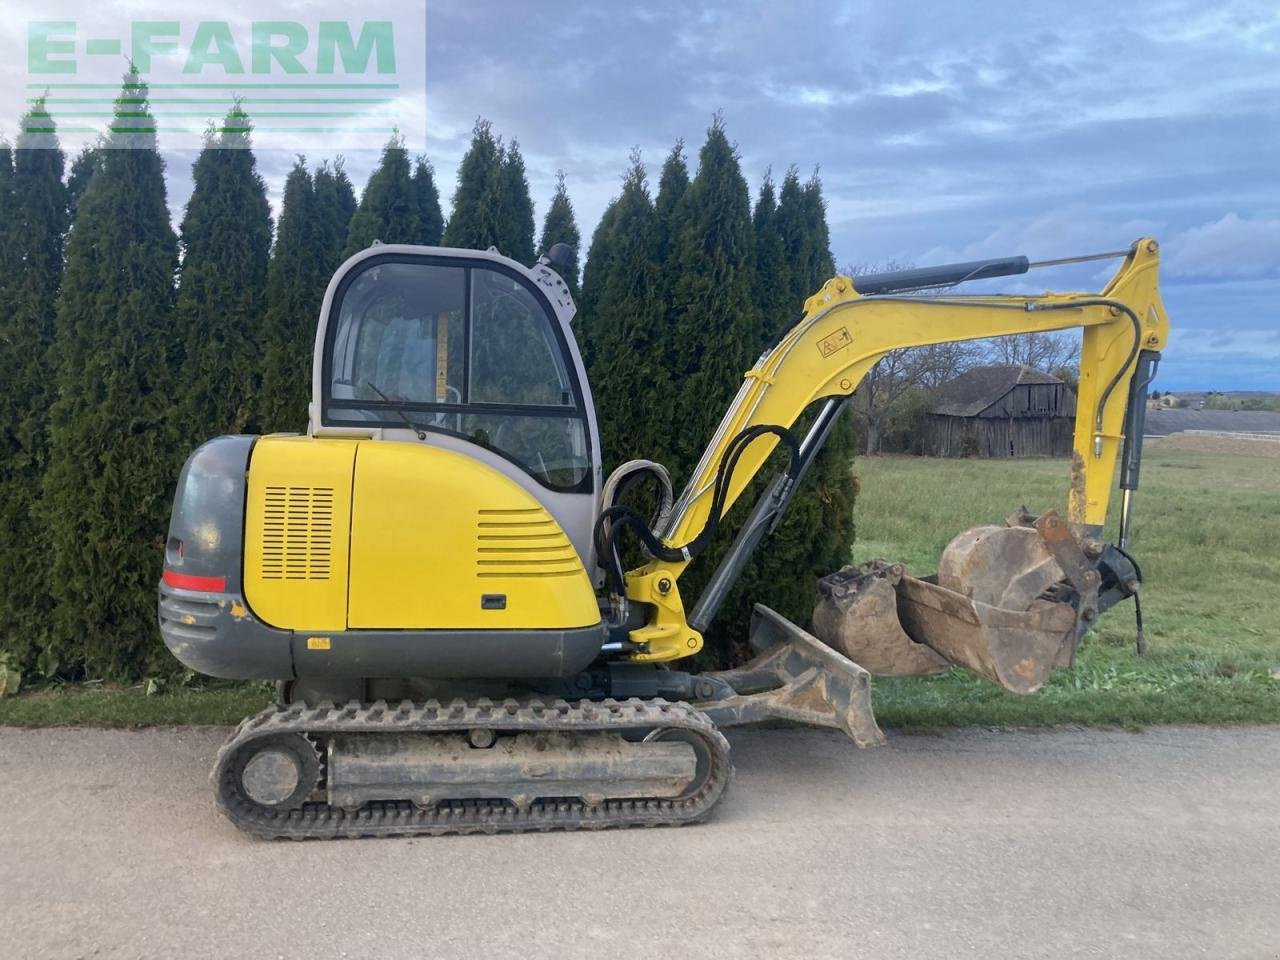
297	533
524	542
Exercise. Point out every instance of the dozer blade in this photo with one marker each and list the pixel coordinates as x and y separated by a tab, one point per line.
795	677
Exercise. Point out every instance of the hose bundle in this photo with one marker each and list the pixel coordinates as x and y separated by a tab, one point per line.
615	516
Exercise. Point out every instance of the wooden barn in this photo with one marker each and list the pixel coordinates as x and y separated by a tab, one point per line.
1001	411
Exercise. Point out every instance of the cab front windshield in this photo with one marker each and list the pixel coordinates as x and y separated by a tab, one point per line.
459	349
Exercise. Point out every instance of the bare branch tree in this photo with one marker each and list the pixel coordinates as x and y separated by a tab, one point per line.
899	372
1044	351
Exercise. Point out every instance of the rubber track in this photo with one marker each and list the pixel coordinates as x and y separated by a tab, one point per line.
389	819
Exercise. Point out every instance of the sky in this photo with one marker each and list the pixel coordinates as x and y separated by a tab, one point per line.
941	131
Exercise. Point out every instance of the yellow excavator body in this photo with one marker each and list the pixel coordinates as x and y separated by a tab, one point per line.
433	573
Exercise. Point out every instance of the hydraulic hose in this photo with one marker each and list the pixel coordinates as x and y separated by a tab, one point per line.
614	518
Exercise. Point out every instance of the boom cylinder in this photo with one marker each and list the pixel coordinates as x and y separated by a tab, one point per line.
943	275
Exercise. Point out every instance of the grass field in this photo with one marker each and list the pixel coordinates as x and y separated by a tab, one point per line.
1207	534
1206	531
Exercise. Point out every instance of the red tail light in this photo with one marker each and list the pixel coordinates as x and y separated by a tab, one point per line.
187	581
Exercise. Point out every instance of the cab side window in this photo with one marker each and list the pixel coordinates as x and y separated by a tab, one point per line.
515	358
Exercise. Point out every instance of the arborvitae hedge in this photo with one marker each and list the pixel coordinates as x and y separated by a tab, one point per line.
33	222
222	296
491	205
716	334
296	277
559	226
515	237
814	536
335	205
599	261
478	201
389	206
673	183
430	219
773	293
114	456
82	168
625	327
8	219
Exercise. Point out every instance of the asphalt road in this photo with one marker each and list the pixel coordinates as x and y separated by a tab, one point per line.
974	844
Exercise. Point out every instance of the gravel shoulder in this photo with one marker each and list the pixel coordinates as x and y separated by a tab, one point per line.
1070	843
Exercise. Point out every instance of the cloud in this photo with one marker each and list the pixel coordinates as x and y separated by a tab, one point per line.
1230	246
943	132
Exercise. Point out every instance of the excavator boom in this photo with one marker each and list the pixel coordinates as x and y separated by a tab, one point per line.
843	334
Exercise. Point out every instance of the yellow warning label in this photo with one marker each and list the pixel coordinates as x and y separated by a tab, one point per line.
442	358
317	643
834	341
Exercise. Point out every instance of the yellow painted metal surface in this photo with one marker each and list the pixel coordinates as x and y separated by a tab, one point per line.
296	521
666	635
841	337
434	532
375	534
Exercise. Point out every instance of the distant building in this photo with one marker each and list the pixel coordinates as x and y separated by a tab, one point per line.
1001	411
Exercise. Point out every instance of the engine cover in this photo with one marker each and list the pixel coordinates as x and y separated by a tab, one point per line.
382	535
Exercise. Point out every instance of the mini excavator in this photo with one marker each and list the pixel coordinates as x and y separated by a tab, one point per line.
433	571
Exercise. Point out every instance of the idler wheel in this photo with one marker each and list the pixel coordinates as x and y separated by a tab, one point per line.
279	773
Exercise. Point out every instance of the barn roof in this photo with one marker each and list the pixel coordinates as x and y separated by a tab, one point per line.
975	390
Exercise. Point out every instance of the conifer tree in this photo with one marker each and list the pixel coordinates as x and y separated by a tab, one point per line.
599	260
82	168
296	278
430	219
335	205
736	279
717	323
817	530
772	278
113	456
226	240
796	229
832	475
388	208
515	225
560	227
6	173
8	220
672	185
479	200
626	327
821	265
33	221
673	188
